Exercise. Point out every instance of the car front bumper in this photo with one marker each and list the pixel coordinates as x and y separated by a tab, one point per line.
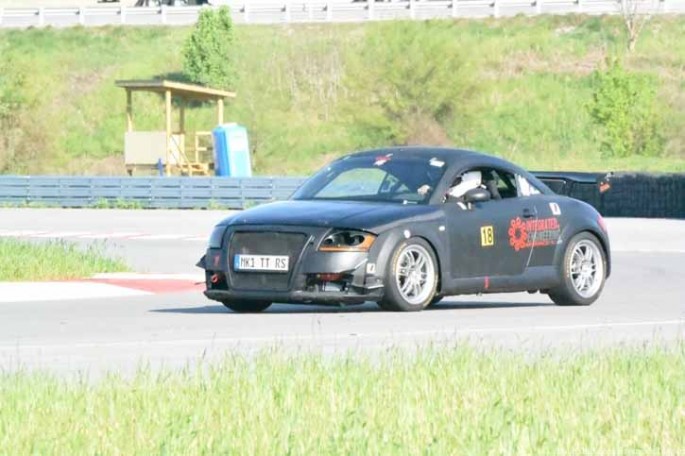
308	280
296	297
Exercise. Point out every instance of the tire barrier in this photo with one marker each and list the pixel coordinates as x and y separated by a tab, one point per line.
643	195
624	194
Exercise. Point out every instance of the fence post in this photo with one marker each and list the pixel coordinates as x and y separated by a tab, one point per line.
329	12
246	13
664	8
2	14
41	16
580	6
122	14
310	11
411	9
369	7
538	7
286	12
495	8
81	16
163	12
454	8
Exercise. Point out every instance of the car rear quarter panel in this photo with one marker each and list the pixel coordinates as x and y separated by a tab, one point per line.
581	217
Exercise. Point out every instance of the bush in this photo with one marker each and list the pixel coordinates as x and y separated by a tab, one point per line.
410	78
207	52
624	105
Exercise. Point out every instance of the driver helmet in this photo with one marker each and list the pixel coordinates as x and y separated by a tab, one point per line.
469	181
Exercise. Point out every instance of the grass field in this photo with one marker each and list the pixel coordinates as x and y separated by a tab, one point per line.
516	87
451	401
55	260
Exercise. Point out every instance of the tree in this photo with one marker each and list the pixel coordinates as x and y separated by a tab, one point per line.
207	52
636	14
413	81
624	105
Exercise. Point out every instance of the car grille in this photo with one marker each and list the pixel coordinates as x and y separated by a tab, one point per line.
264	243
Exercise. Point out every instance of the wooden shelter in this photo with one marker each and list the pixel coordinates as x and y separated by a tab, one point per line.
171	147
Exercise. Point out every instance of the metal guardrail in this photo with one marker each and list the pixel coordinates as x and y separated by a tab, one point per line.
283	11
630	195
146	192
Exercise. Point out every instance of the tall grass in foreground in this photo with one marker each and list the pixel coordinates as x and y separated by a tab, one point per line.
53	260
454	401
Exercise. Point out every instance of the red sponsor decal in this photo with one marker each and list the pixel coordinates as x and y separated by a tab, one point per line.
533	233
518	234
382	159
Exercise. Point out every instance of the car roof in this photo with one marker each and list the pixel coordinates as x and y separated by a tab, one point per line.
451	156
456	160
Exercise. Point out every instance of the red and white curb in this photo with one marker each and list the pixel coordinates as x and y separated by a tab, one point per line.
115	285
88	235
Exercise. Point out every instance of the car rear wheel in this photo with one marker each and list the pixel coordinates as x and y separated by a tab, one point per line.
583	272
243	306
412	278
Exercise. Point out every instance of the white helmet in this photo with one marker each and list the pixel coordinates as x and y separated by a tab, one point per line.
469	181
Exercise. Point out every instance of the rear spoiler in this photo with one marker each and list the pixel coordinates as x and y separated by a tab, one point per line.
572	184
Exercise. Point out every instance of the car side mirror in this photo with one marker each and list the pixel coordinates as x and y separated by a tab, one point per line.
477	195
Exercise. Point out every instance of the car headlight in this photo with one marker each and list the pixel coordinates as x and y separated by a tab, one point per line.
347	241
217	237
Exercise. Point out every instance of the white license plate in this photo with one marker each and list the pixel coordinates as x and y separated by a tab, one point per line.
272	263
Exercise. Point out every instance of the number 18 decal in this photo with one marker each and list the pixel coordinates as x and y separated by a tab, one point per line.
487	236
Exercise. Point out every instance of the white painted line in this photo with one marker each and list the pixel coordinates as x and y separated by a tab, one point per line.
134	236
56	291
60	234
159	237
111	235
337	337
574	327
664	250
21	233
135	276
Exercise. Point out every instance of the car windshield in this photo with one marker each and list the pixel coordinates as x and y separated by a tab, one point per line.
381	178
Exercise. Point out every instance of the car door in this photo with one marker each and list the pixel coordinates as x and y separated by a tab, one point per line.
552	217
489	239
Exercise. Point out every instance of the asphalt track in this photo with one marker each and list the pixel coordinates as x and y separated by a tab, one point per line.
643	302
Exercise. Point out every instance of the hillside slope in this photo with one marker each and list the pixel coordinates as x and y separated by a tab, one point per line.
518	88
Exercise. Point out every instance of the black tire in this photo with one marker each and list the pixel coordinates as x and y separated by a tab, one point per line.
566	294
243	306
393	299
435	301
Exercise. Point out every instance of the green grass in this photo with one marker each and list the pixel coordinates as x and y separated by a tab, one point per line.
304	92
53	260
448	401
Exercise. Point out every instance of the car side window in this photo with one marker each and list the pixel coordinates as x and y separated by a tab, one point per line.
505	185
500	184
525	188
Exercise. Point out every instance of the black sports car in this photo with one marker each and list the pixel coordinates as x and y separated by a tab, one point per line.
404	227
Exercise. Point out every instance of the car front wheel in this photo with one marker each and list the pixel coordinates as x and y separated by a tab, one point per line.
412	278
247	306
583	272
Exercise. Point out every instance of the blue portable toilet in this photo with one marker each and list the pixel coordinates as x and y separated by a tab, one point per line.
231	151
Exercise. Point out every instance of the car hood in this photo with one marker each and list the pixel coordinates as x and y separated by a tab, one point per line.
339	214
